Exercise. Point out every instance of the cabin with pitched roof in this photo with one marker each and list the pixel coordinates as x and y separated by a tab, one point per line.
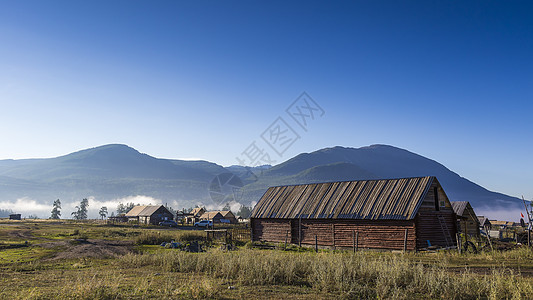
467	220
149	214
396	214
484	223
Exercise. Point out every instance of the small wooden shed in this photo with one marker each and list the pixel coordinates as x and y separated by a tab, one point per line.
406	213
467	220
149	214
484	223
15	217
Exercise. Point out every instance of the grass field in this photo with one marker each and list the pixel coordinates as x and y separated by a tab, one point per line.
68	260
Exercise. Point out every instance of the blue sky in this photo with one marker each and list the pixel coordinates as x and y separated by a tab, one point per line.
450	80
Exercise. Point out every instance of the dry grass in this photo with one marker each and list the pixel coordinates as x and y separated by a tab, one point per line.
169	273
360	275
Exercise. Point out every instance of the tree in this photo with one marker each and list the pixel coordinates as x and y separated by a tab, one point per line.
122	209
226	207
81	210
56	213
4	213
245	212
103	212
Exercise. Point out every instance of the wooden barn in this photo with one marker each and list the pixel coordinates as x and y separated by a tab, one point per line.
405	213
149	214
467	220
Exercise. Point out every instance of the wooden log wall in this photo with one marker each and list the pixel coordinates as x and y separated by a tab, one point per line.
382	234
271	230
428	227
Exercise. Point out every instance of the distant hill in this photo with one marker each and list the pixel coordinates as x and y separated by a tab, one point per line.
116	171
107	172
374	162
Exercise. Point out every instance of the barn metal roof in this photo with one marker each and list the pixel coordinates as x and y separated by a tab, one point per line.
396	199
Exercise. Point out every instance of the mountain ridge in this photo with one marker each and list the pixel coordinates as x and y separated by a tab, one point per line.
116	171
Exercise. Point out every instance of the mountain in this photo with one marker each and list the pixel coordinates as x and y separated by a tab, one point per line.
374	162
106	172
116	171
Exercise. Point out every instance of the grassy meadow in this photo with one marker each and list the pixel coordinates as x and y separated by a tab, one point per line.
69	260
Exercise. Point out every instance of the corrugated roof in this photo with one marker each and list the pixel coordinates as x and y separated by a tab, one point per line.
397	199
143	210
459	207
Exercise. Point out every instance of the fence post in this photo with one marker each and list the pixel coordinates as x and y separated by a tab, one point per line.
300	231
286	236
405	240
357	241
353	240
333	228
458	237
316	243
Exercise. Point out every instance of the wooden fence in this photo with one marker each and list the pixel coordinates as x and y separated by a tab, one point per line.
229	235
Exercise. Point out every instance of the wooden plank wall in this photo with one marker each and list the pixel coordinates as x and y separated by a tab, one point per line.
382	234
271	230
428	228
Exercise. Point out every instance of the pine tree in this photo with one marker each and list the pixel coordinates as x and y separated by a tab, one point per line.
103	212
56	213
81	210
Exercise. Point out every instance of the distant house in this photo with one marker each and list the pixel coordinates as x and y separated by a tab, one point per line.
197	212
501	224
466	218
405	213
229	216
15	217
484	223
149	214
194	215
220	216
214	216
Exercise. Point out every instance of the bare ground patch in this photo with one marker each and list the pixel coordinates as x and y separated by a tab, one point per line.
93	248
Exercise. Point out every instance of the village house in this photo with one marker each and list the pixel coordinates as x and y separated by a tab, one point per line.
214	216
229	217
15	217
149	214
406	213
467	220
484	223
218	216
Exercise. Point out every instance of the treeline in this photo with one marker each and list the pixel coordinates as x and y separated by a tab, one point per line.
4	213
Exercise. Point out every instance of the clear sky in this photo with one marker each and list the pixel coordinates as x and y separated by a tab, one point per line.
450	80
